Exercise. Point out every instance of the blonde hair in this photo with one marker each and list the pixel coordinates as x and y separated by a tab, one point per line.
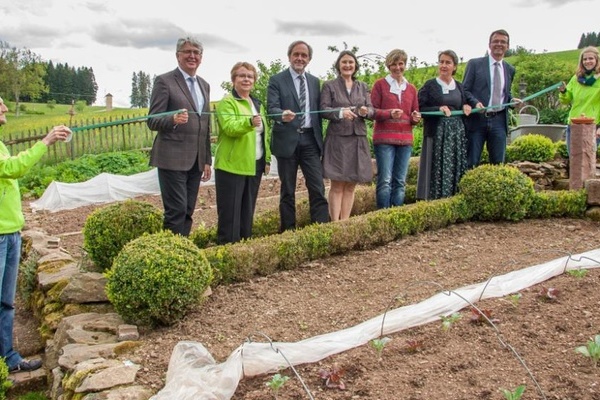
580	68
394	56
242	64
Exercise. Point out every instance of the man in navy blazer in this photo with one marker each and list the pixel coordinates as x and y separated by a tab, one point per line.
181	149
491	125
297	135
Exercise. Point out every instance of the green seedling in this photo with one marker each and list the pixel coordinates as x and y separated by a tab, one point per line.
448	320
515	394
379	344
515	298
591	350
578	273
276	382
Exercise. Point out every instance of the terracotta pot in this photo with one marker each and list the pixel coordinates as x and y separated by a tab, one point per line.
582	120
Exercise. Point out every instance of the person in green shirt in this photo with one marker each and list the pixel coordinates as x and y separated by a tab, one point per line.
11	223
583	90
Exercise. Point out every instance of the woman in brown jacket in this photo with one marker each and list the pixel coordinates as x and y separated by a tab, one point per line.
346	153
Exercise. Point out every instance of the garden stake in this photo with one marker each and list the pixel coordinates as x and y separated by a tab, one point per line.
277	350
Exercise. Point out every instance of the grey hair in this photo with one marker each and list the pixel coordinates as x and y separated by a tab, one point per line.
191	40
296	43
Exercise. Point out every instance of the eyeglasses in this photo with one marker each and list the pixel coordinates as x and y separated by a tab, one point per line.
245	76
499	42
190	52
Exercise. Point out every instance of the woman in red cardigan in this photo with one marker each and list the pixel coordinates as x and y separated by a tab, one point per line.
396	111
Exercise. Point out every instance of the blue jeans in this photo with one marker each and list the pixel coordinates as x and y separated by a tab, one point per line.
10	254
392	167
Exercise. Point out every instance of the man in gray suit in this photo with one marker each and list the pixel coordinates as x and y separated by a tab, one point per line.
181	149
293	96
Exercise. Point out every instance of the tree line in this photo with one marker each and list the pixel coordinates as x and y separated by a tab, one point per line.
25	77
589	39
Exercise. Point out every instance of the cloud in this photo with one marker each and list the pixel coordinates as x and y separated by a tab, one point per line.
551	3
317	28
162	35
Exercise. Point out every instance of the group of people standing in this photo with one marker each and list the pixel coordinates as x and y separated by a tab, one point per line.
454	138
459	119
297	104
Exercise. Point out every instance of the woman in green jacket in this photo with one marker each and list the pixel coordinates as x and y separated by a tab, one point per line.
11	223
583	90
242	155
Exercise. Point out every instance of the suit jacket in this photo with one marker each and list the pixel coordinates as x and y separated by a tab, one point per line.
177	147
335	96
477	81
282	95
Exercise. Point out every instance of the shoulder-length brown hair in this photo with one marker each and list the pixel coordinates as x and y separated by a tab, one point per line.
580	69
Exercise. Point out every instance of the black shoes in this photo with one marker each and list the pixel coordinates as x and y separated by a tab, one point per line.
26	366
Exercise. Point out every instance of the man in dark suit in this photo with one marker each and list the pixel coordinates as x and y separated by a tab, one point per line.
181	149
293	97
491	125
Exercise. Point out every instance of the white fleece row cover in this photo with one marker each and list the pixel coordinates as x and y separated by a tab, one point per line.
193	374
107	188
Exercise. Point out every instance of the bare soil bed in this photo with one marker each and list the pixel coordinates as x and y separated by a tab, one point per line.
468	361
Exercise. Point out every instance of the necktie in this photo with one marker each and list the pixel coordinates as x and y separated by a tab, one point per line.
497	91
193	90
302	98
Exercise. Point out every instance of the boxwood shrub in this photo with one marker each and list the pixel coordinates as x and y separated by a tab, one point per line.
157	278
497	192
533	147
108	229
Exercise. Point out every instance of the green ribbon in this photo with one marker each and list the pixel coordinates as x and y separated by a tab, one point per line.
439	113
123	121
523	100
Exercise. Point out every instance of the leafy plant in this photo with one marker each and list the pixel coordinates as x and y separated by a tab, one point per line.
277	382
333	377
414	345
578	273
5	383
379	344
548	294
591	350
449	320
515	394
515	298
482	316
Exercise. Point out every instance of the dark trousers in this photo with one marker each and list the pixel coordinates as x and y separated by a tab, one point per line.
308	157
236	202
179	191
492	131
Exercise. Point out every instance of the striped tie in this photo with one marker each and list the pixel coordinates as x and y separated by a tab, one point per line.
302	98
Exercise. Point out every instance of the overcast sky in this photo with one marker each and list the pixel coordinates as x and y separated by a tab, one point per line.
119	37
